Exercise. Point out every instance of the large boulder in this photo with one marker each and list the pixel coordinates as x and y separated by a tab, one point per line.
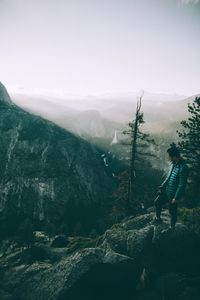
177	251
60	241
86	273
133	243
134	260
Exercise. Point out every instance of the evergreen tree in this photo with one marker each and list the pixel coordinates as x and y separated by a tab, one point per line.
64	229
190	147
50	229
120	207
139	144
78	229
25	234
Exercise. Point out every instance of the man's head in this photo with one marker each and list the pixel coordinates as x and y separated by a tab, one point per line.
174	153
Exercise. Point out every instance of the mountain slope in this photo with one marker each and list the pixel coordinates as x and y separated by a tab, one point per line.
47	174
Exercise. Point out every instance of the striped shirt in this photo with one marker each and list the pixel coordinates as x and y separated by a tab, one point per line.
176	180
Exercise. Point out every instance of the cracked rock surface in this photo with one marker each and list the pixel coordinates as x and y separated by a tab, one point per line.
133	260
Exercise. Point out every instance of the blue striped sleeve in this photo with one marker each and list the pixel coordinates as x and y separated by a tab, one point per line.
164	183
183	175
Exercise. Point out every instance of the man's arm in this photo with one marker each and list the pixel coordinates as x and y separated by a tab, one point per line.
184	171
164	183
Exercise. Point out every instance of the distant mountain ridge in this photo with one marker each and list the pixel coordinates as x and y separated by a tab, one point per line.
100	117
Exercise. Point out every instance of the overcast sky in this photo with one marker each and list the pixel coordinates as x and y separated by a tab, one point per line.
91	47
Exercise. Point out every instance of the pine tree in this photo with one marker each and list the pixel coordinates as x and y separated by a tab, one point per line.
190	147
26	234
138	144
50	228
78	229
120	207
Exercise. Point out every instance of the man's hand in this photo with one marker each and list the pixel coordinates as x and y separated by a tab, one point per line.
173	200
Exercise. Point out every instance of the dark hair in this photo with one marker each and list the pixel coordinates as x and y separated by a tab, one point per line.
173	150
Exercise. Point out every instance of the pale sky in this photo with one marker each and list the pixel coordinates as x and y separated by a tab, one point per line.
91	47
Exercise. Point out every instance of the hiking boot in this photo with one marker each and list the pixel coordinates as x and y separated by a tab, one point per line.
157	221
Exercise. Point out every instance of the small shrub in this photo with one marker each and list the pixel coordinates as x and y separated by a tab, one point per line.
79	242
116	226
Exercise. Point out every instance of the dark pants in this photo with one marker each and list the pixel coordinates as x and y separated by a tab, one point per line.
160	201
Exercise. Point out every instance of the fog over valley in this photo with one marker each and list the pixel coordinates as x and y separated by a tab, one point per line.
94	114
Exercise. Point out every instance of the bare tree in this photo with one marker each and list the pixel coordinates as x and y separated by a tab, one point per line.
137	140
132	195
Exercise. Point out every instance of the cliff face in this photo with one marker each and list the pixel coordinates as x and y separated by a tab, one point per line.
46	173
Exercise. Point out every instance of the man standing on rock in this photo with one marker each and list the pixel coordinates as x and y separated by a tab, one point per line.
173	187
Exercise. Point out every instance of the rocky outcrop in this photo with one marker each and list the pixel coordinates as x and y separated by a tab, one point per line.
5	99
132	260
47	174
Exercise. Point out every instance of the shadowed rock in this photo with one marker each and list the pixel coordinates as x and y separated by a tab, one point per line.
127	263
